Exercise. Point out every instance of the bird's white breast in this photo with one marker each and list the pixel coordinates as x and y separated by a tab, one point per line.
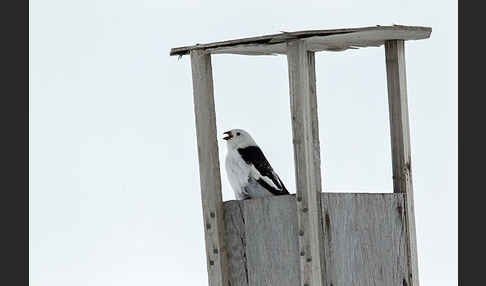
238	172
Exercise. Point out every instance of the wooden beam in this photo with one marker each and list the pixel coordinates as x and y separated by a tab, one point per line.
305	132
207	147
400	144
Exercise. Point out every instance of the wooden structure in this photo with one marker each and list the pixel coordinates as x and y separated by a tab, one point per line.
311	238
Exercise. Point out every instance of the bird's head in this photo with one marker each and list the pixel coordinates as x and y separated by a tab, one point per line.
238	138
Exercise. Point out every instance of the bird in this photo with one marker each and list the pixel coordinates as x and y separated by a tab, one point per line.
248	170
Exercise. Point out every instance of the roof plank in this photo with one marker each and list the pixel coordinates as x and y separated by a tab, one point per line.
318	40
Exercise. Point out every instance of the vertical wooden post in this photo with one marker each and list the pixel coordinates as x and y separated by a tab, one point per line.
400	143
207	147
305	132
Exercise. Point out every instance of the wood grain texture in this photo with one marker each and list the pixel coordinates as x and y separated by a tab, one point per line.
319	40
364	238
251	49
271	228
261	237
209	172
367	38
400	143
235	239
307	163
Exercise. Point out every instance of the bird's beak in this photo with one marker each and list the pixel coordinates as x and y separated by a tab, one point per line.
229	135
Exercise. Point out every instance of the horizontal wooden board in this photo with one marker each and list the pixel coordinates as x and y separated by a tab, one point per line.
320	40
364	240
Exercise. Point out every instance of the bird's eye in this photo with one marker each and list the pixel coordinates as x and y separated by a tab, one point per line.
237	133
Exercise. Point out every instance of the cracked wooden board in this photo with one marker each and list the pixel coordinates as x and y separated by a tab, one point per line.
235	236
319	40
364	234
262	241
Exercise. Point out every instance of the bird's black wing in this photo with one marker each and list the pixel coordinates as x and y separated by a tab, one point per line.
253	155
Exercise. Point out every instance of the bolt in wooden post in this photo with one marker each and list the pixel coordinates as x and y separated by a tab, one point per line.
400	143
207	147
303	102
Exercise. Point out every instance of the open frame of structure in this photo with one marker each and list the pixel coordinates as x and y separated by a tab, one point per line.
311	238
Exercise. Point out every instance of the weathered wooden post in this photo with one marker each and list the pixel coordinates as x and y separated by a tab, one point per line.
303	104
313	238
207	147
400	141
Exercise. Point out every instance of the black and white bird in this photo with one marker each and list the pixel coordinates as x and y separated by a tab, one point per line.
249	173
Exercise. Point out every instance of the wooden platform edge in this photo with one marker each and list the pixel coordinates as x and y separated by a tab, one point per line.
286	36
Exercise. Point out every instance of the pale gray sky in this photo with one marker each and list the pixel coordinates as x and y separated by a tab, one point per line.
114	183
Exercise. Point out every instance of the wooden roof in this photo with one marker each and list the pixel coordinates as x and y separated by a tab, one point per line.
317	40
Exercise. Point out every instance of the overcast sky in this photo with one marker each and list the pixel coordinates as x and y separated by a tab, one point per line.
114	180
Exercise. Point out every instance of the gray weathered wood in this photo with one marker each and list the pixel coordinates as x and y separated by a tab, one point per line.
400	143
307	162
209	172
364	237
261	237
271	259
318	40
251	49
235	239
368	38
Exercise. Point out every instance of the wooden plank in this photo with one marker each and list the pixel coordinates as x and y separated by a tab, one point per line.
332	43
364	238
235	240
400	143
370	38
261	237
251	49
209	173
268	44
271	258
307	162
